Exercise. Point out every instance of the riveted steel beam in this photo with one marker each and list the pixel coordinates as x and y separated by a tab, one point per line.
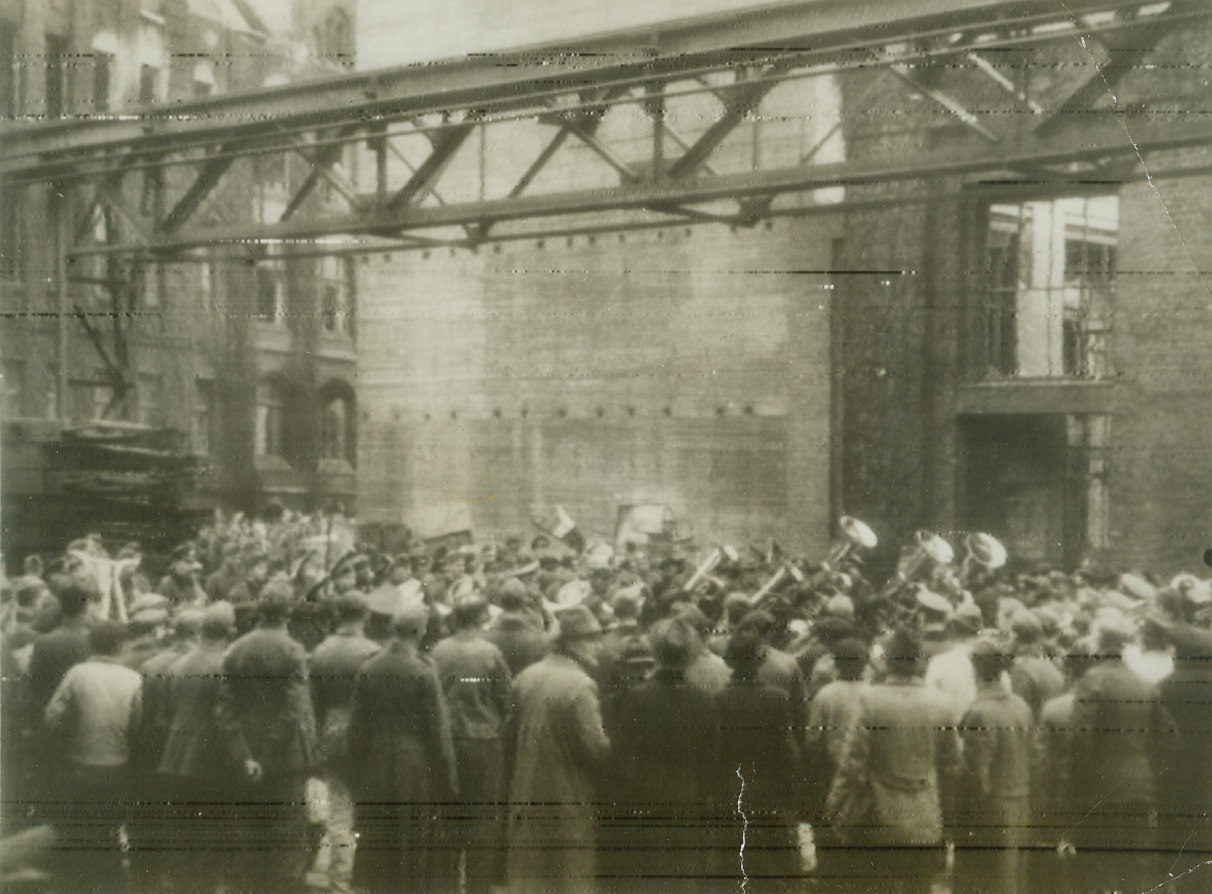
1109	139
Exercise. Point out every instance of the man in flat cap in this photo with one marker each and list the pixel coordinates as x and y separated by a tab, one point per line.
558	746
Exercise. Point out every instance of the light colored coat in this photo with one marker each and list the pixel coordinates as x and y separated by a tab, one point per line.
905	748
558	745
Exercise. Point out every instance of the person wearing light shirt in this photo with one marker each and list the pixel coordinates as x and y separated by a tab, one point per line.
94	714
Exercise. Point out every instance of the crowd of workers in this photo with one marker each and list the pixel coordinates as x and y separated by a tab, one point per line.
537	718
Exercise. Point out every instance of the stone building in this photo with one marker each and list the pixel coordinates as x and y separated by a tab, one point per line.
252	355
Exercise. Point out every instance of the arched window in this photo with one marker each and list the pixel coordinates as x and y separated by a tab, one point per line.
271	417
338	432
336	45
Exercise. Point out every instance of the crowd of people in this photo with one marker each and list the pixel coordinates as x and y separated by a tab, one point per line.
531	717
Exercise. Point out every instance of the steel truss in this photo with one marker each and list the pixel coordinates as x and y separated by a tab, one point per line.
941	50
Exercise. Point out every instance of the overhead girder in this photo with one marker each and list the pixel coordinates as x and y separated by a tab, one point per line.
1111	139
574	90
804	33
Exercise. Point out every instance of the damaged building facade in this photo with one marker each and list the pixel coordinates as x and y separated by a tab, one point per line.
250	357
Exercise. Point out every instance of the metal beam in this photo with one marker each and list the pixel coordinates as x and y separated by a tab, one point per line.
955	108
585	135
739	101
208	176
537	165
1108	139
323	159
810	29
421	182
1125	57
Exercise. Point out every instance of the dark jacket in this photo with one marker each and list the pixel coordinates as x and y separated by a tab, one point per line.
759	748
399	730
476	681
264	705
1121	734
334	665
1185	788
52	656
195	745
659	809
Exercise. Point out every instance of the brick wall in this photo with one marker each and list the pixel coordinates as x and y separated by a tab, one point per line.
683	367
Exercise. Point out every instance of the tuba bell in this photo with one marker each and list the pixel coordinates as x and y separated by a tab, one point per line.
854	535
985	553
929	549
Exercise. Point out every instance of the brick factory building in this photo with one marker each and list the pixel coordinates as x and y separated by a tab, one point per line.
1021	357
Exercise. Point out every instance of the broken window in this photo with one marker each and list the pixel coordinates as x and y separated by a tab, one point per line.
1050	272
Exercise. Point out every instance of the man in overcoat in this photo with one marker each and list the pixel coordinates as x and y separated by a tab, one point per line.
476	682
403	765
1122	735
900	762
664	735
198	771
558	747
334	665
266	714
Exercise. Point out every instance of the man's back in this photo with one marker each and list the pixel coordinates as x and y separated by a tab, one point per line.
475	679
333	666
265	703
193	746
98	706
1119	731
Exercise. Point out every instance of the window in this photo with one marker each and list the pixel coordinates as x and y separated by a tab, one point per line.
151	274
149	83
56	50
204	79
89	400
103	71
335	43
151	408
11	388
9	106
335	415
334	295
271	418
270	295
1050	271
12	272
203	414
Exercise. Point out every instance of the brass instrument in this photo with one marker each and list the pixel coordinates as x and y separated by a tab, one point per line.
705	568
929	550
985	553
855	535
